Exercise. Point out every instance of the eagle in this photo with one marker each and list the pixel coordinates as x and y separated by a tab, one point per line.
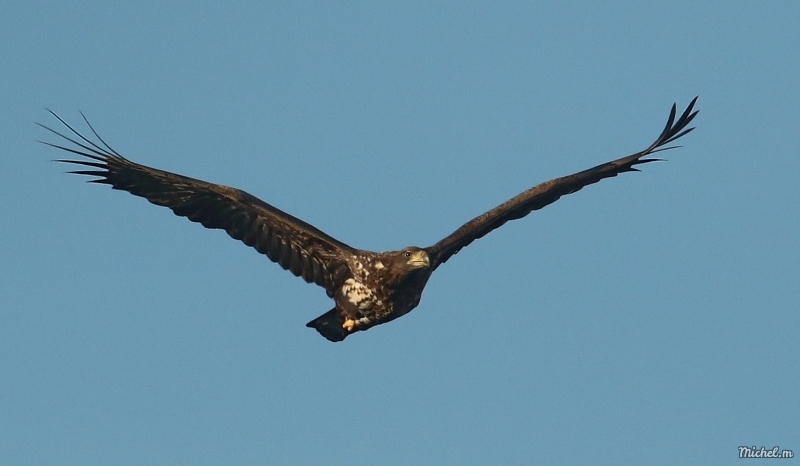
368	288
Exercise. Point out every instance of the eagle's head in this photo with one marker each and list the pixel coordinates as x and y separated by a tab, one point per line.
411	258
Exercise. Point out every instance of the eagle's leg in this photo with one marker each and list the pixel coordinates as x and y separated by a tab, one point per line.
349	324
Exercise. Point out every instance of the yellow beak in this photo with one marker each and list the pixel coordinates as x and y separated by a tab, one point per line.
420	259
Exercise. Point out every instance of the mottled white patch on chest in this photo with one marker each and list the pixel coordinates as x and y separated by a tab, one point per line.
357	293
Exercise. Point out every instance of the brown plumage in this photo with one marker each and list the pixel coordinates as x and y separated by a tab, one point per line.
368	288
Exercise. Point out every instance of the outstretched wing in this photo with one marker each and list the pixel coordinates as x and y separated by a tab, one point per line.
297	246
550	191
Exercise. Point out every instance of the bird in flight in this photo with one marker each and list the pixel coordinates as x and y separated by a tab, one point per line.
368	288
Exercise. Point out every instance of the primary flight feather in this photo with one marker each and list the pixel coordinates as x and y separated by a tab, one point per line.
368	288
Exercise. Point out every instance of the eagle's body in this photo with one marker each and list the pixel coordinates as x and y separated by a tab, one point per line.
383	287
368	288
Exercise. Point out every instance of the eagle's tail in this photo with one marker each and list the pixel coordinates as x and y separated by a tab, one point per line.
329	325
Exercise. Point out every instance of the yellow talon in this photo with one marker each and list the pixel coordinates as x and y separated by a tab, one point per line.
349	324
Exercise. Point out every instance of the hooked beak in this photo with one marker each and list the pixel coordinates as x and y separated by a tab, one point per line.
420	259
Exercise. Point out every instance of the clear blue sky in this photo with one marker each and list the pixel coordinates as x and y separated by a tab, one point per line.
649	319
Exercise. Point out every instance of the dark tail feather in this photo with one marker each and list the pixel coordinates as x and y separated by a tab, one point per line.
329	325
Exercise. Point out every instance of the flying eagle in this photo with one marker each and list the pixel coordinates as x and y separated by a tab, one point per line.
368	288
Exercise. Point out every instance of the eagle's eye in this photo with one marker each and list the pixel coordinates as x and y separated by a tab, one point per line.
408	254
